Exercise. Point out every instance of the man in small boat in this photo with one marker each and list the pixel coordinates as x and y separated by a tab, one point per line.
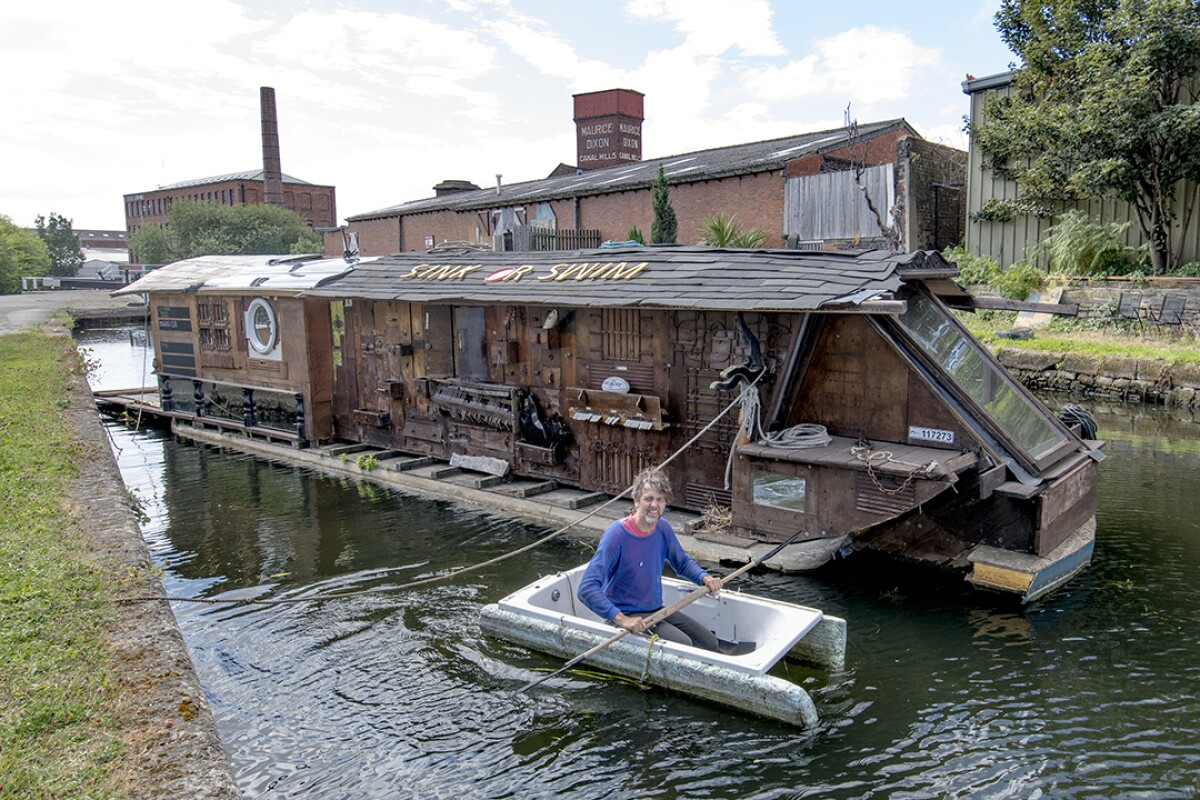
623	581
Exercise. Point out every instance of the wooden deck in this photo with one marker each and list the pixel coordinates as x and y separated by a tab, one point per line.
144	401
885	458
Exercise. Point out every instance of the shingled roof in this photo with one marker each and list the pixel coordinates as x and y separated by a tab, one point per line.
647	277
701	165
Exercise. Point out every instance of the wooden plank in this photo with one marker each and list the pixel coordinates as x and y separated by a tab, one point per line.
492	466
990	479
1067	504
1000	304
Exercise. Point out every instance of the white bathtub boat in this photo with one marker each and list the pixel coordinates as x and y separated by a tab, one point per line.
546	616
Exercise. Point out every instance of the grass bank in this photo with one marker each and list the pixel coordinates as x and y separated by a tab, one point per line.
59	727
1064	335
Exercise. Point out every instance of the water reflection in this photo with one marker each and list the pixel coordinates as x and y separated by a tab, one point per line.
1090	692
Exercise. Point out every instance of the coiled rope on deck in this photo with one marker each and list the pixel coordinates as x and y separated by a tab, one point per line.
803	435
463	570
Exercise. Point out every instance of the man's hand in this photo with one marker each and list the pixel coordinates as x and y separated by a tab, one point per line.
713	584
631	624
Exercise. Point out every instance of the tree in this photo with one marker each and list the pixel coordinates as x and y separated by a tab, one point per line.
66	256
22	254
1105	105
150	244
197	228
722	231
664	226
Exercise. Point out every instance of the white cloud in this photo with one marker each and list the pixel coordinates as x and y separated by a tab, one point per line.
547	52
110	99
714	27
861	65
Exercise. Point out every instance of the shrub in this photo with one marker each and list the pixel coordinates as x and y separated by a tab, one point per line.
1018	281
1078	246
972	269
722	231
1188	270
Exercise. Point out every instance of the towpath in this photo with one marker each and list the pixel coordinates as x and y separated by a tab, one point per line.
173	748
29	309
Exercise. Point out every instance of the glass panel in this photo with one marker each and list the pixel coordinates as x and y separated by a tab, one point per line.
262	326
781	491
992	388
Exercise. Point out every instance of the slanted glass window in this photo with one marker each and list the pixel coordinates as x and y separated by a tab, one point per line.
779	491
988	385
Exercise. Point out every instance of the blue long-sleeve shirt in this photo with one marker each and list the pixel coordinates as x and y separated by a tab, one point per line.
625	574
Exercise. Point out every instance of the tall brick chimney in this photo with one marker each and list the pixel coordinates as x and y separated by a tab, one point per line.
272	171
608	128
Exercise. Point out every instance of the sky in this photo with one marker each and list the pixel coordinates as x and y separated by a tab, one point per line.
383	100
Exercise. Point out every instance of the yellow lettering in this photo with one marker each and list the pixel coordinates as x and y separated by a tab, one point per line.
552	275
412	273
607	269
589	271
568	272
626	274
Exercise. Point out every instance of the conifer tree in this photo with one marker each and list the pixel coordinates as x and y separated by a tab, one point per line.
663	229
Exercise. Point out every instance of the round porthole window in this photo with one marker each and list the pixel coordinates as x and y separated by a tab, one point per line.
261	329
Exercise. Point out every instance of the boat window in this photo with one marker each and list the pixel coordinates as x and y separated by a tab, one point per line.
780	491
987	384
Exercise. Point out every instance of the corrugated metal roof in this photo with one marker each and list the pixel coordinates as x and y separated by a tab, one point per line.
269	274
251	175
649	277
702	165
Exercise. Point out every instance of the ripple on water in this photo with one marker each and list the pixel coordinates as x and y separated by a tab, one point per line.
1089	693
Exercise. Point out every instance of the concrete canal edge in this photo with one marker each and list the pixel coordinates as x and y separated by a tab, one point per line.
173	748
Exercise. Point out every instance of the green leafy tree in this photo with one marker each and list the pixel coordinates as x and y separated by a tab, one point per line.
66	256
635	235
22	254
722	231
664	227
150	244
1105	105
202	228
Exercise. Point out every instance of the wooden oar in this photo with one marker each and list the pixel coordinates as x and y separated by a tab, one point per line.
661	614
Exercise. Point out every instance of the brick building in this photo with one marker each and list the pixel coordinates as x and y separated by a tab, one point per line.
810	190
874	185
315	203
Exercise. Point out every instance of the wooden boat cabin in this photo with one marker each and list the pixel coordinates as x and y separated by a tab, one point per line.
586	367
236	347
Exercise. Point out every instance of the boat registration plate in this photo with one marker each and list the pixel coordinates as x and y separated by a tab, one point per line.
930	435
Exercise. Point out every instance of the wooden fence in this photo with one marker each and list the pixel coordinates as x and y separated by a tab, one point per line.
526	238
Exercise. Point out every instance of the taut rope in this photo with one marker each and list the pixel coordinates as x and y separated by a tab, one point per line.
462	570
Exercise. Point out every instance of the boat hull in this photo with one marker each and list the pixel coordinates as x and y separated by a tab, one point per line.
648	661
546	616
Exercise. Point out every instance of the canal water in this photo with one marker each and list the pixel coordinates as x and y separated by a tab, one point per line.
1089	693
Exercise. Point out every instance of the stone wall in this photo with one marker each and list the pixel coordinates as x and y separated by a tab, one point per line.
1137	380
1097	299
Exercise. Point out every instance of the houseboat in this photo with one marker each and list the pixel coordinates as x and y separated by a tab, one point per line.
870	417
236	346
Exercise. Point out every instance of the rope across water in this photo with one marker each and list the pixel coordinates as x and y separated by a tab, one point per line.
463	570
